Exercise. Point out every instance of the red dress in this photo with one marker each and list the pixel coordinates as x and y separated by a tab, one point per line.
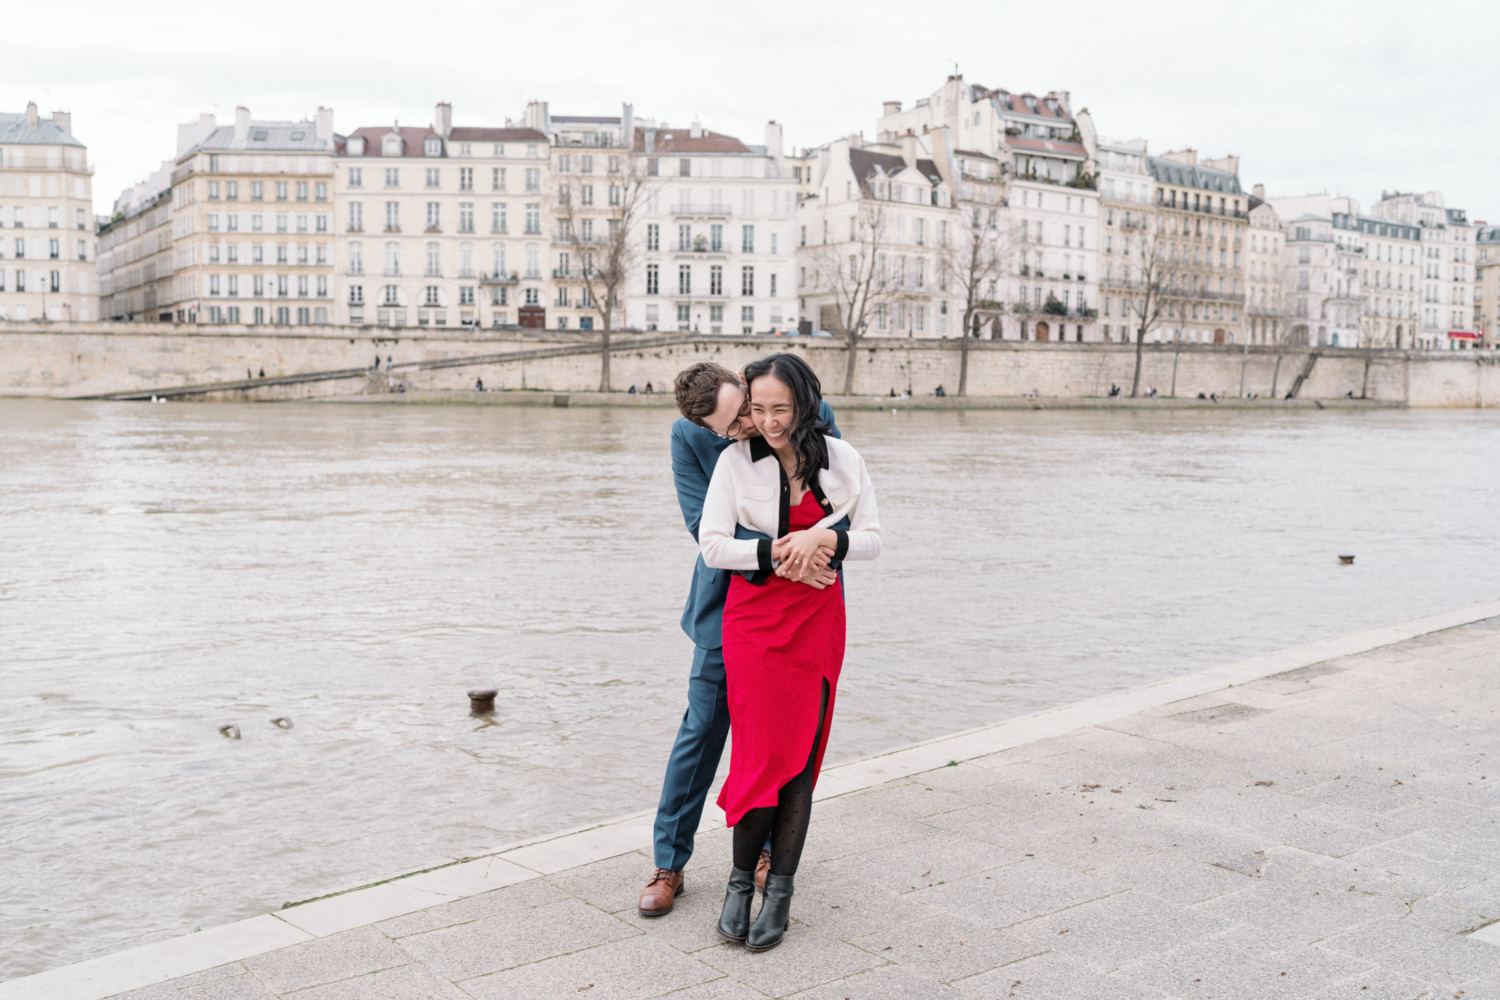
781	641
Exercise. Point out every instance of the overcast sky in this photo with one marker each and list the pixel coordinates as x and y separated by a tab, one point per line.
1350	98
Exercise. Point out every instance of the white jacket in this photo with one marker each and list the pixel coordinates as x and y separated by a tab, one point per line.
748	489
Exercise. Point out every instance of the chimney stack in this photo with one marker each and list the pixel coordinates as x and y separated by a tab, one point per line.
324	124
1259	192
442	119
63	120
627	126
909	149
695	131
241	124
31	118
773	140
892	107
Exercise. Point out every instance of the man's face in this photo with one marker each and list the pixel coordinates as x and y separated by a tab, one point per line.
731	419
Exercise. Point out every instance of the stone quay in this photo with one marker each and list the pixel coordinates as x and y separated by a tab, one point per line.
1313	823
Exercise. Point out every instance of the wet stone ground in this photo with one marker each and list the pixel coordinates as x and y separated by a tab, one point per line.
1328	832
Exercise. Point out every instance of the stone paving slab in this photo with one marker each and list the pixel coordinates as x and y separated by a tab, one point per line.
1331	831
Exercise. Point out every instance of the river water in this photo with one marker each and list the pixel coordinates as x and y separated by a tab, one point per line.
169	569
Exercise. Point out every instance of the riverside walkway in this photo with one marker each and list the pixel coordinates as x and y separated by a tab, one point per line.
1317	823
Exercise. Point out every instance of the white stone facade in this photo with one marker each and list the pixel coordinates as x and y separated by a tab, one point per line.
252	222
47	260
442	225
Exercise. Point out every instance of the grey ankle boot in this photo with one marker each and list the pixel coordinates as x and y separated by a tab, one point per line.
734	922
775	915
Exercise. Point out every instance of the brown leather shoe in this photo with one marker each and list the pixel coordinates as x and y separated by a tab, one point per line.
660	893
762	868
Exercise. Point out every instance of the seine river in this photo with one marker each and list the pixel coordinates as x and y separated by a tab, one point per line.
170	569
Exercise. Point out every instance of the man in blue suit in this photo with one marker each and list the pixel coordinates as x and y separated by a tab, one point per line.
715	410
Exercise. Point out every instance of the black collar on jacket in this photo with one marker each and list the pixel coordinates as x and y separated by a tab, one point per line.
759	450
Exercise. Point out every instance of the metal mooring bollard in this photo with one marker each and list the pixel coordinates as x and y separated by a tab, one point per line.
1346	560
231	731
482	702
281	722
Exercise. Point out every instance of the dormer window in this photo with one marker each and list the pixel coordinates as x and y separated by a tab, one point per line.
391	145
298	136
356	147
260	135
434	147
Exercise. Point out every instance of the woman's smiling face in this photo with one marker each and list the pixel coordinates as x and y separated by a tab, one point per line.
772	409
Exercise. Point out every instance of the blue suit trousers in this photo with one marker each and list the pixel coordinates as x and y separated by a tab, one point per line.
694	760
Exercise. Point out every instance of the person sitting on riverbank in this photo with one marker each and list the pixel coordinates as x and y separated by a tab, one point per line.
715	409
783	645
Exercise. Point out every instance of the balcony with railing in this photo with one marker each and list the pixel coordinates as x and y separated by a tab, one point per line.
707	209
499	278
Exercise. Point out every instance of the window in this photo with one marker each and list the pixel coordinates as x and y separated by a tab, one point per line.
497	218
281	254
747	281
356	258
533	179
716	238
653	279
533	219
231	190
320	223
747	314
562	194
302	286
434	216
213	284
281	190
304	315
564	164
497	260
466	216
614	196
79	217
682	313
466	295
773	286
653	236
392	177
497	179
320	191
83	250
433	147
684	237
213	222
430	296
302	190
716	280
533	262
356	217
301	223
684	167
356	179
432	177
651	170
54	249
393	258
213	190
391	296
684	279
392	217
586	194
466	260
434	260
466	178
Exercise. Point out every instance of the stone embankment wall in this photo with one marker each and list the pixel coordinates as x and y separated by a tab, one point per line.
92	359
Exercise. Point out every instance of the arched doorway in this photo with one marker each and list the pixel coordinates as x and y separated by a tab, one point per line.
1218	336
1042	331
1398	335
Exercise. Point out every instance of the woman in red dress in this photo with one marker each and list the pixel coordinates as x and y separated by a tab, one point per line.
783	643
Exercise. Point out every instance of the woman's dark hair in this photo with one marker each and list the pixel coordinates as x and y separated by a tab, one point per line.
808	427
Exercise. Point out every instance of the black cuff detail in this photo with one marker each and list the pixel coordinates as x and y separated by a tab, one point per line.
763	554
842	548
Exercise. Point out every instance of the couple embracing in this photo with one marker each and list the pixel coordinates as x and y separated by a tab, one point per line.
777	502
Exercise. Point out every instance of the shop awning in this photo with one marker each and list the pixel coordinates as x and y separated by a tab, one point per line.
1463	335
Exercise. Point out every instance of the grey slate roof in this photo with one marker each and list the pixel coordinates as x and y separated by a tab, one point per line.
1206	178
13	132
271	137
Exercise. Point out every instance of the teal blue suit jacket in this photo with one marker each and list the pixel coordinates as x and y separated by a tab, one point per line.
695	452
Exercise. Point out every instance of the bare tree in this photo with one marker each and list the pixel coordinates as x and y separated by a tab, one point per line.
854	273
1151	277
980	256
603	239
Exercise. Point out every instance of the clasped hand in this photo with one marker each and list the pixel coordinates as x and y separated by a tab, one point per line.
804	556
